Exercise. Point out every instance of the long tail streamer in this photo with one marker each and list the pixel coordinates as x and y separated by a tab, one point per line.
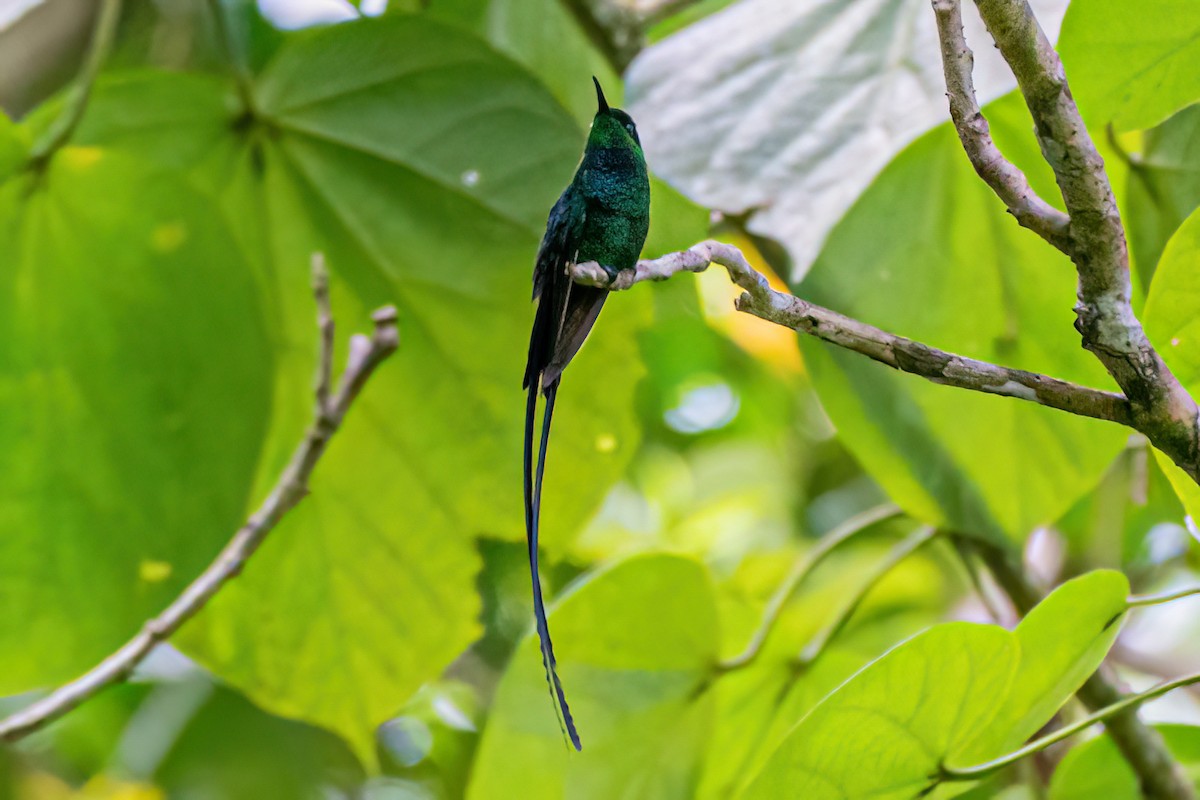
533	503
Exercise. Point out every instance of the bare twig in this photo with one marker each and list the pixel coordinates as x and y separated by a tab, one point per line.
366	354
897	352
819	552
1006	180
1162	408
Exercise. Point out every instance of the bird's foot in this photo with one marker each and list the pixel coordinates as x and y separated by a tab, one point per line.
619	279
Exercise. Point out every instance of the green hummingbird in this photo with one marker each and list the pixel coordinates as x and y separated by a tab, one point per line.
602	216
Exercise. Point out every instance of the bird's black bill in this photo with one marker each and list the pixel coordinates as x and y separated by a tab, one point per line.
533	504
602	104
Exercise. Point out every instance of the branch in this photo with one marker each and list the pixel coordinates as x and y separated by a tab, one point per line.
1106	714
1142	747
1162	408
902	550
820	551
366	354
1006	180
60	131
897	352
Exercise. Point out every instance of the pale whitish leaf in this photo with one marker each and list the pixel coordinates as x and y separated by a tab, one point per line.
791	108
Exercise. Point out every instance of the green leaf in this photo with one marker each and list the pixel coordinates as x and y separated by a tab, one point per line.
957	273
1163	187
902	715
1096	769
423	164
957	693
1132	65
1061	642
634	680
136	373
1172	320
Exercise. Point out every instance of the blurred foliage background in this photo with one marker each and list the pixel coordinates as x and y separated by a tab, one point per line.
156	343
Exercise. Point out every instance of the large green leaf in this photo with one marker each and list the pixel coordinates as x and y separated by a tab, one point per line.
136	376
635	645
1096	768
423	164
1132	64
1172	320
1061	642
958	694
929	253
900	717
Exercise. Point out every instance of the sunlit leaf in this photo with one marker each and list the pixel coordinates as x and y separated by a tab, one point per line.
955	694
1172	320
1132	65
903	715
136	375
1061	642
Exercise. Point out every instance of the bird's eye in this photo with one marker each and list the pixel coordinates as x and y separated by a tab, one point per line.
629	127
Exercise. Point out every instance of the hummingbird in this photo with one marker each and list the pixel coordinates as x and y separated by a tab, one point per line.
602	216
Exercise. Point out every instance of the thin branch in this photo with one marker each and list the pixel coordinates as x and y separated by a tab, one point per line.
1162	408
366	354
1141	746
902	550
1106	714
802	569
326	331
60	131
897	352
1163	597
1006	180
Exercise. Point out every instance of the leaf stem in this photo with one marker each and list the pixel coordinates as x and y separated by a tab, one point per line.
237	61
1128	702
60	131
841	534
902	550
1136	600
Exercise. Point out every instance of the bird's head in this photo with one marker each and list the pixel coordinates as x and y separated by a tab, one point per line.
612	127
